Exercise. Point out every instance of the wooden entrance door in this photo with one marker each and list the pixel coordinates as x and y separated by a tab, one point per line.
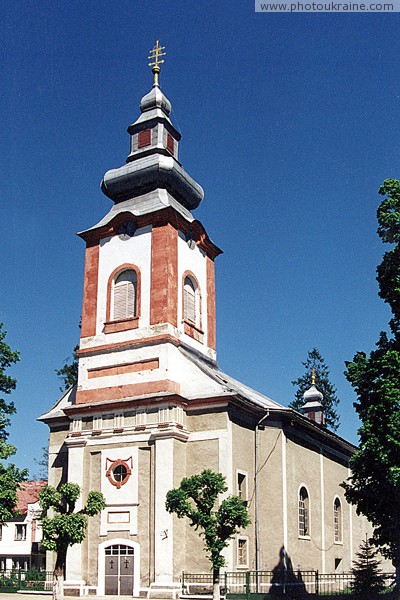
119	568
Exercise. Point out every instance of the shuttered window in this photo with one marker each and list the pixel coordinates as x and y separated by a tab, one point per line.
125	288
144	138
170	143
189	301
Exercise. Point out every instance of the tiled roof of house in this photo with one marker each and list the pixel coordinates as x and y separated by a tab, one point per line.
28	494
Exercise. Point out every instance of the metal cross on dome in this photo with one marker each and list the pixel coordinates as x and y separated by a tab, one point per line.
313	376
155	54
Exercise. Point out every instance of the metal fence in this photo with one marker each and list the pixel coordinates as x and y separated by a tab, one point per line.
13	580
280	582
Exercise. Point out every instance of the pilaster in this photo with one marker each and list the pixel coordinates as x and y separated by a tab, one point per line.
90	286
163	521
164	275
76	449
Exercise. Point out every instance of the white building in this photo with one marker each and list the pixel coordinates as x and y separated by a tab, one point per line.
20	537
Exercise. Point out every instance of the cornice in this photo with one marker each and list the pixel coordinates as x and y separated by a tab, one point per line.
159	218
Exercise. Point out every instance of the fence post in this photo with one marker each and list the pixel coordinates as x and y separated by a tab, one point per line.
247	585
316	582
183	582
226	582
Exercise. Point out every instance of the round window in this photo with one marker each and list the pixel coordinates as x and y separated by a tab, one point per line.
118	473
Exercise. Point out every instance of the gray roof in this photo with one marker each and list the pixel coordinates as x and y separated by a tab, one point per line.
57	410
144	204
150	172
229	384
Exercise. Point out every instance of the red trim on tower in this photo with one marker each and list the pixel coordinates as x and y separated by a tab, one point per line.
122	325
164	275
144	365
124	391
91	276
211	308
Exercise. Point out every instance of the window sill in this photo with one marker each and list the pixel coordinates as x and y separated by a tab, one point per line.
304	537
193	331
242	566
122	325
338	543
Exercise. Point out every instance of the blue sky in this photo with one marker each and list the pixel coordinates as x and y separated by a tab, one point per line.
289	122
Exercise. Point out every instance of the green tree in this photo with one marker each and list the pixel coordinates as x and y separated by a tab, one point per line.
69	371
368	580
325	386
196	499
66	526
10	476
374	486
43	464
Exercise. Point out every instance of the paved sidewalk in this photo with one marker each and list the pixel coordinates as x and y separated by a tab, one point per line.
47	596
29	596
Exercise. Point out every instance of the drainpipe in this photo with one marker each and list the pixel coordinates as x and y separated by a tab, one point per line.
259	427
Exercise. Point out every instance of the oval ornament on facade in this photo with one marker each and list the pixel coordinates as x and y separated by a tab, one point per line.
118	473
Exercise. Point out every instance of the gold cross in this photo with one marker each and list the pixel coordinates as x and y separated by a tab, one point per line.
313	376
155	54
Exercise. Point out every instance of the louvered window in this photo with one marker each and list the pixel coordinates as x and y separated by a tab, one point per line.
304	527
125	288
189	301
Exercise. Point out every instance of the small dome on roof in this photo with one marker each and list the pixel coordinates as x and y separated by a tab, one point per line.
312	394
155	99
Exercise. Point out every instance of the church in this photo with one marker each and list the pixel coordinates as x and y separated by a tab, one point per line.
151	405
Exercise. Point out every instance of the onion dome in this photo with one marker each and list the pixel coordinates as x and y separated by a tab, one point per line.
312	407
155	99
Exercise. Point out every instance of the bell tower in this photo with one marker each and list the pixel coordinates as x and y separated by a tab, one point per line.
149	284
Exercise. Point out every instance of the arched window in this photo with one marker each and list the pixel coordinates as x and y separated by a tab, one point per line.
304	513
190	301
125	295
337	520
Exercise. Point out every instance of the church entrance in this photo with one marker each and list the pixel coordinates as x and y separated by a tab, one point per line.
119	570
